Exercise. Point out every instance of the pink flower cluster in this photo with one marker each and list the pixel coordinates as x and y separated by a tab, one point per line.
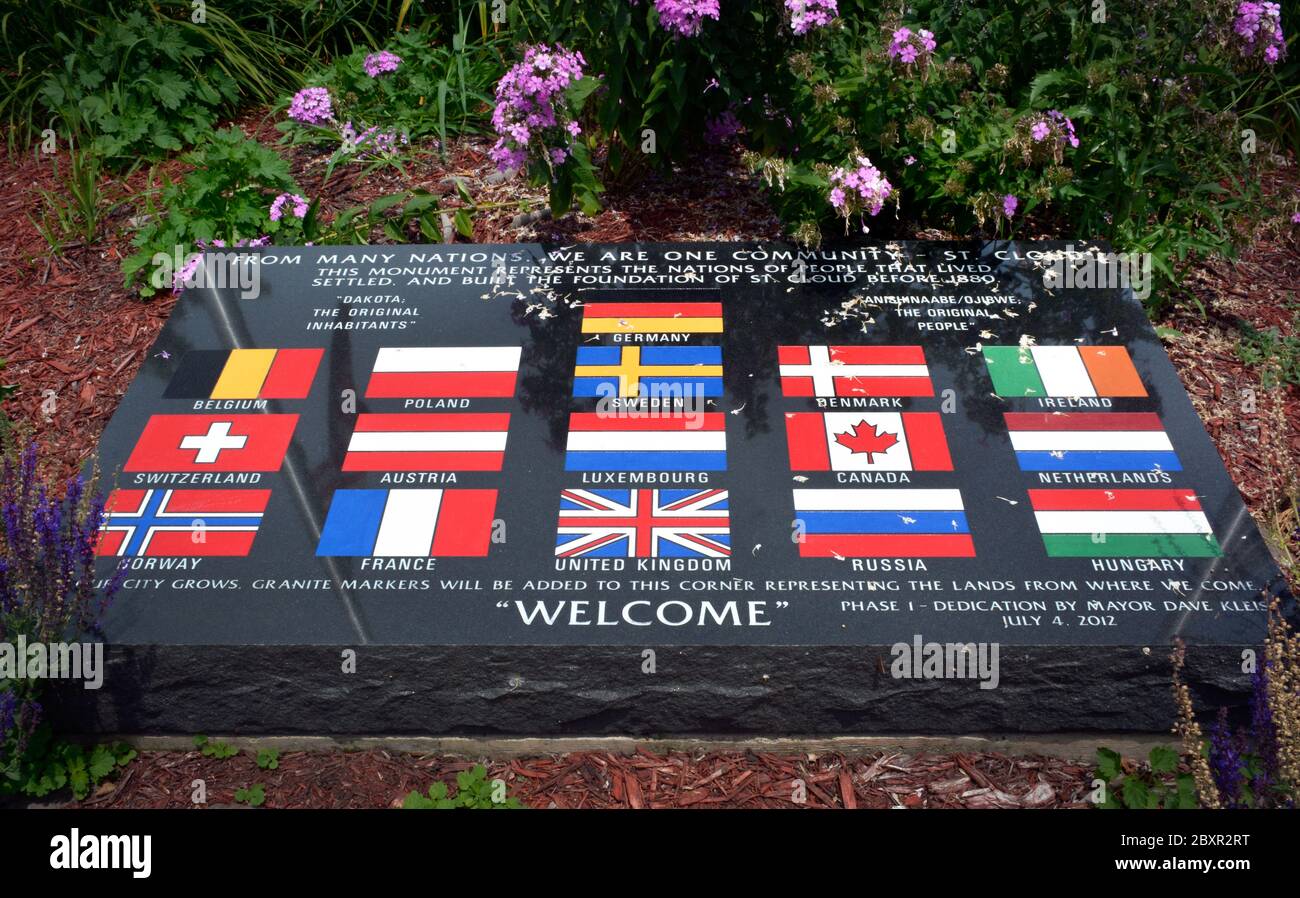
860	189
311	106
1260	25
371	143
805	15
911	47
383	61
187	274
531	107
300	206
1054	124
686	17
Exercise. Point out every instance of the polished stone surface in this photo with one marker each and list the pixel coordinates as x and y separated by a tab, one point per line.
875	492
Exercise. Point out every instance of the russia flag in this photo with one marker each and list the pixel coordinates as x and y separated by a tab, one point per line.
862	523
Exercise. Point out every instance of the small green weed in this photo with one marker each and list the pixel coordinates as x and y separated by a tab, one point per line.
1162	787
473	790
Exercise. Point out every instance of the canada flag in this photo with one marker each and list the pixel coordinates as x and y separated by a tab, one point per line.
867	441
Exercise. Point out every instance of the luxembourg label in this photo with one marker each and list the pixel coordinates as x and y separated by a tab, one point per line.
695	444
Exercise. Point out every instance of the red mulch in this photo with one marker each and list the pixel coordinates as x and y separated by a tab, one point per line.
380	779
73	339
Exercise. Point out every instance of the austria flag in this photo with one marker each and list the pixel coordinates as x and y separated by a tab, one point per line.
432	442
867	441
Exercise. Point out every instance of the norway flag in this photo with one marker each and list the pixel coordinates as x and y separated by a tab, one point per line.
867	441
181	522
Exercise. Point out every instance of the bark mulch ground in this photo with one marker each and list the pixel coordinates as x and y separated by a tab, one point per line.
380	779
73	337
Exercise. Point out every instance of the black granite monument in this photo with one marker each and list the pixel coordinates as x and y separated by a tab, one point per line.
668	489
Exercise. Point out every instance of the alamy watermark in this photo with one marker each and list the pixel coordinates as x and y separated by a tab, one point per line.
23	660
919	660
1083	269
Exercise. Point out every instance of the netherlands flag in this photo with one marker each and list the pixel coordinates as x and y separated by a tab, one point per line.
181	522
428	442
866	441
871	523
679	443
437	371
1091	441
408	523
854	371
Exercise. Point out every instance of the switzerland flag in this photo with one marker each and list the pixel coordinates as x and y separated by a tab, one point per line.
212	443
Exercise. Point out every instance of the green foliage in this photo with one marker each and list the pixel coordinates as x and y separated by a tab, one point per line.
268	759
139	88
649	79
76	212
254	796
48	764
473	790
440	89
218	750
226	197
1163	786
1276	356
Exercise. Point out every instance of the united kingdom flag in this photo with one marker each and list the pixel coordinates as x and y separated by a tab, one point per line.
644	524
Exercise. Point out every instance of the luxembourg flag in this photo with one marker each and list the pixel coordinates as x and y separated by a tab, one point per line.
854	371
600	442
422	372
873	523
408	523
1091	441
428	442
1161	523
866	441
1062	371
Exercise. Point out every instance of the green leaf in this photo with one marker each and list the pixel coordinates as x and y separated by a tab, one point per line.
1163	759
1108	764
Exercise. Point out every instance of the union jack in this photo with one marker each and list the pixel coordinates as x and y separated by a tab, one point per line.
643	524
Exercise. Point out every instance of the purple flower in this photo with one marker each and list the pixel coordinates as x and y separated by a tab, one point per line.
532	114
311	106
1258	27
383	61
300	206
1295	219
1226	761
805	15
1009	205
686	17
862	189
911	48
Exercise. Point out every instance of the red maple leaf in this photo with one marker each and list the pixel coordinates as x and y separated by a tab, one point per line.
864	437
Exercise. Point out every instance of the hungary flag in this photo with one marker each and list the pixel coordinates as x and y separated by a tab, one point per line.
1161	523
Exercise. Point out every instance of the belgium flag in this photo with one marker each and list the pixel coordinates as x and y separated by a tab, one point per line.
245	374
